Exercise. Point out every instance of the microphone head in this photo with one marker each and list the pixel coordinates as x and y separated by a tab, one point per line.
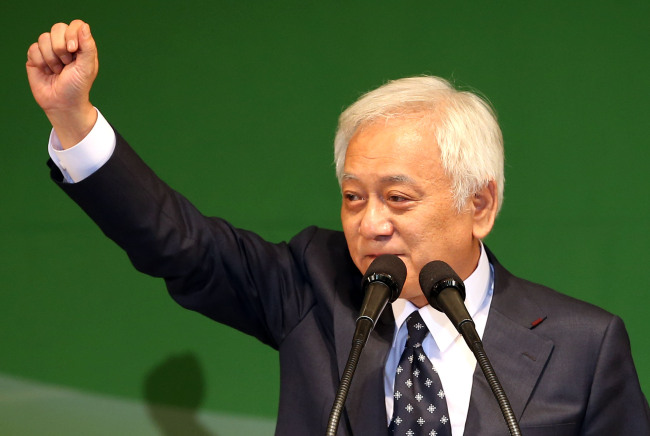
388	269
437	276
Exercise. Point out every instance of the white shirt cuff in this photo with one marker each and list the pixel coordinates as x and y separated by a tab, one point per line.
86	157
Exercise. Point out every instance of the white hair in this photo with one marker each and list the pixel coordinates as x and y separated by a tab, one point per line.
465	128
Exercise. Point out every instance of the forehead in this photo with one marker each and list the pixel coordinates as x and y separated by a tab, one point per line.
395	150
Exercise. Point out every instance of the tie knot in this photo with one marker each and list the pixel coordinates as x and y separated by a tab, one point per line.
417	330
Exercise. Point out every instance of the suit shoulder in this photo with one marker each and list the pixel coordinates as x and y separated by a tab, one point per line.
322	251
317	238
529	297
560	303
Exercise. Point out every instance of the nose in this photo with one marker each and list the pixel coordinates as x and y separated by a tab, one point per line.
376	220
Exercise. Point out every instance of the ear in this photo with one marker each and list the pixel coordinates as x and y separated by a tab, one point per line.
484	207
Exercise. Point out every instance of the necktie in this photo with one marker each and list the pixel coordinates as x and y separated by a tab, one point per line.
420	407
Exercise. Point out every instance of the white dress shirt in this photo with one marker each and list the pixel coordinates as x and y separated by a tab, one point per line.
444	346
78	162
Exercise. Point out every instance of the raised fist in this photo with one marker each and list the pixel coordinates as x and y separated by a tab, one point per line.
61	68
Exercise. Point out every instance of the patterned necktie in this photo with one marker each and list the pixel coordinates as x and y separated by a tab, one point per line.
420	407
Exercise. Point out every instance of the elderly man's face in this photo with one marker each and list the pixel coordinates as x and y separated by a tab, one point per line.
397	199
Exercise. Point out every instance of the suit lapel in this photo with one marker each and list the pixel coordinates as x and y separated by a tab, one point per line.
516	352
365	409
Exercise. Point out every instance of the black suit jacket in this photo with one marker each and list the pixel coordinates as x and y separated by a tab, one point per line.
570	374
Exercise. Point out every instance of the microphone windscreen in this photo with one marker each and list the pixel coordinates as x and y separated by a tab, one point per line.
436	276
388	269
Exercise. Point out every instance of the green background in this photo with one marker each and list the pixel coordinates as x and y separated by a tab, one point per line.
235	104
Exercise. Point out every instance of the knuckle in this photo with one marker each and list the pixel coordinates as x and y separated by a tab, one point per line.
58	26
44	38
33	51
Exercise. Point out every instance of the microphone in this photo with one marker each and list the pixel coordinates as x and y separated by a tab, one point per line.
382	283
445	291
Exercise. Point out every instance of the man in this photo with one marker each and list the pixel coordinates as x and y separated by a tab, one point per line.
421	173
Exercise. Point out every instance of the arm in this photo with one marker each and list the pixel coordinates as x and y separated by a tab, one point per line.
616	403
229	275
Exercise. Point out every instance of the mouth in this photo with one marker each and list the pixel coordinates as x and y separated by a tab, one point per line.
373	256
368	259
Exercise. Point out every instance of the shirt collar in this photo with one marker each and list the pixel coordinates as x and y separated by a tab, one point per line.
443	331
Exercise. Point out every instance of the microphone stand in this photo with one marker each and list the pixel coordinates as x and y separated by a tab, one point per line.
382	284
475	344
445	291
364	327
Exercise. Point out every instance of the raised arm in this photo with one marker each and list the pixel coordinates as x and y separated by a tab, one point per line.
61	68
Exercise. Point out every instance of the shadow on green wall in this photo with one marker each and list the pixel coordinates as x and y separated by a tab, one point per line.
174	391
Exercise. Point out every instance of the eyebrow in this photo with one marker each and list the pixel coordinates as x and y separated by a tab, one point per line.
398	178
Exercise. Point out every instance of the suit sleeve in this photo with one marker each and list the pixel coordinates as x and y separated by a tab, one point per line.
229	275
616	403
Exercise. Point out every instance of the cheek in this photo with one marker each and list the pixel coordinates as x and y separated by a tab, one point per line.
351	237
422	234
348	228
346	219
350	223
426	241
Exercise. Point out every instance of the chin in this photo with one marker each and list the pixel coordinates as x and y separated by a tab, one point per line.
364	262
411	292
418	300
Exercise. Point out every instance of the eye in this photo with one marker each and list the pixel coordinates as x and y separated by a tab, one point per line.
351	197
400	200
397	198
